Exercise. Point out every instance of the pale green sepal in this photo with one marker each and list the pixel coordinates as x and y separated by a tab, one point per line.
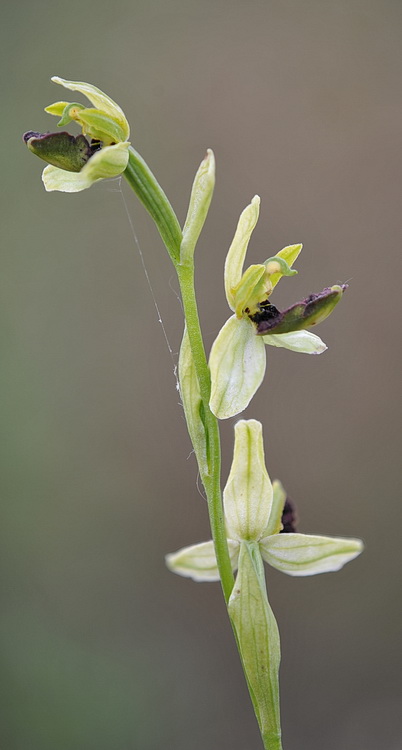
289	253
110	161
199	561
58	108
192	403
237	364
249	291
298	341
306	555
99	100
247	497
278	502
258	638
237	251
201	195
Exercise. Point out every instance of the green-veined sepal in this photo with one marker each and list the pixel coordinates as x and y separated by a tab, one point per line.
237	363
247	497
199	561
99	100
306	555
303	342
237	251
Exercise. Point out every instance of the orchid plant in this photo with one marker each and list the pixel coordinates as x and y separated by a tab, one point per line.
252	520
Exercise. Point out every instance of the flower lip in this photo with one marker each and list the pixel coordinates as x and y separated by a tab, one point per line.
32	134
289	517
62	150
310	311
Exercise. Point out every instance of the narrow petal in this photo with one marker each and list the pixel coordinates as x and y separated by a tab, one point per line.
289	253
278	503
306	555
199	562
98	99
237	364
298	341
57	108
237	251
247	497
250	288
192	403
108	162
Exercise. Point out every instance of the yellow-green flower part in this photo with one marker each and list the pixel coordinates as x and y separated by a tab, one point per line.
238	358
253	511
106	129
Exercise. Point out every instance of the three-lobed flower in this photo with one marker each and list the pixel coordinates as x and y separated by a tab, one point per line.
238	357
253	510
100	152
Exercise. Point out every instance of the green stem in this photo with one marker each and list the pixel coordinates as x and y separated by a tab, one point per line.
150	193
155	201
211	481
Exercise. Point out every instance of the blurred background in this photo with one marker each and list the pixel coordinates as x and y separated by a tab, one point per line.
101	647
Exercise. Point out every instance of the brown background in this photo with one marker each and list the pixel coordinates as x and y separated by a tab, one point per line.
102	648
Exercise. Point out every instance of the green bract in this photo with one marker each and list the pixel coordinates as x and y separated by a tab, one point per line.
99	153
253	513
238	358
200	199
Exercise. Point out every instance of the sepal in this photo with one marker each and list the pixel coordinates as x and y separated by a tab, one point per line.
199	561
99	100
237	251
303	342
247	497
307	555
237	363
